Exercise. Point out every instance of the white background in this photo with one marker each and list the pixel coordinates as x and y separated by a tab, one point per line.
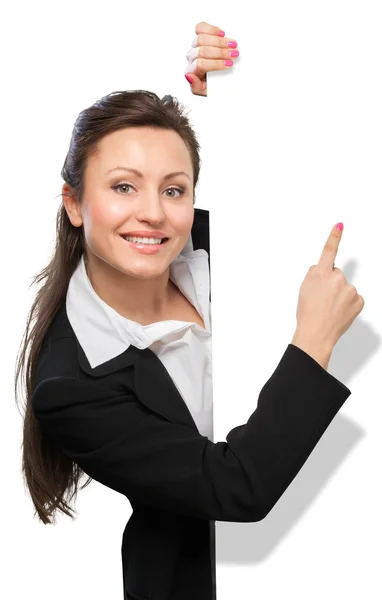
291	144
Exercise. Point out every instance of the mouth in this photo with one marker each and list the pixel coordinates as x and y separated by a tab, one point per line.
148	244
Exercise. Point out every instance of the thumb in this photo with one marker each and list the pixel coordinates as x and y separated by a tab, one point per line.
198	86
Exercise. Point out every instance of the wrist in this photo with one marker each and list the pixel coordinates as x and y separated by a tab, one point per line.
319	350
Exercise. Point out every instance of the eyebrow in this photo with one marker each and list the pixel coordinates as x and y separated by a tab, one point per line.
139	174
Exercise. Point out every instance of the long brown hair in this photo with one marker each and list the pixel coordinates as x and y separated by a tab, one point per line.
48	473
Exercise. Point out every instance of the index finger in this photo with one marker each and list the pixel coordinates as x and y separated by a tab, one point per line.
204	27
330	250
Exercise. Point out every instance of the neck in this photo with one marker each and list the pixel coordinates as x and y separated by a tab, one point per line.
143	300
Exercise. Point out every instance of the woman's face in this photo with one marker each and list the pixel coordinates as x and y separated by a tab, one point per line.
117	201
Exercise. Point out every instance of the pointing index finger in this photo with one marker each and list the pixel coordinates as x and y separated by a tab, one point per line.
330	250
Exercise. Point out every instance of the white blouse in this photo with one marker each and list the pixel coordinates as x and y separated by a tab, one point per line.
184	348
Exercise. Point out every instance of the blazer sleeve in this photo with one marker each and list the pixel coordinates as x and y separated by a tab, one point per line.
117	441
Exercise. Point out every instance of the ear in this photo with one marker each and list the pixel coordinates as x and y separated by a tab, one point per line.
72	207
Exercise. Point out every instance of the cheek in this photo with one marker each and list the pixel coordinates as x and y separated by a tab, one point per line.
183	222
188	225
103	216
97	223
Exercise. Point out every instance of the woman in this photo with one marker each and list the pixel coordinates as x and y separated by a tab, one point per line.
118	378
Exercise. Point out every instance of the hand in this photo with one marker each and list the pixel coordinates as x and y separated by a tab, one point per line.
208	53
327	304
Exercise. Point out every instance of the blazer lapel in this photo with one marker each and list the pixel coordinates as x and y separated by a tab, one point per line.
152	382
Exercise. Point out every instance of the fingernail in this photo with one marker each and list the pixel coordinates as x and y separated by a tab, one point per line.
221	33
228	63
234	53
189	79
339	226
232	44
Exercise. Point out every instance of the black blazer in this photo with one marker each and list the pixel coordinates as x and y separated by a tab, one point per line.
126	425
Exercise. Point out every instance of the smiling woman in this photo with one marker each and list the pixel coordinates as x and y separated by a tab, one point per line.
124	261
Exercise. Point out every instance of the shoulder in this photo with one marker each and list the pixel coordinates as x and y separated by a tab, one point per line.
57	357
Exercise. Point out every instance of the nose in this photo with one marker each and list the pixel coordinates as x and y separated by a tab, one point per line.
150	208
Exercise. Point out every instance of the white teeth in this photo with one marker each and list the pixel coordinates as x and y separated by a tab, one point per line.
143	240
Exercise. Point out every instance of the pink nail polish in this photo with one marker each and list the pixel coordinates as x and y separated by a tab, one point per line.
189	79
234	53
232	44
339	226
228	63
221	33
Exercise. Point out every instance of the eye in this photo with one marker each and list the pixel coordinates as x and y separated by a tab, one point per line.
181	190
119	185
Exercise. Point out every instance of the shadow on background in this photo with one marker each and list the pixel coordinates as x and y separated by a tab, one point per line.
241	543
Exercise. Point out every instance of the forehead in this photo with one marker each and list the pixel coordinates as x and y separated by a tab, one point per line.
140	147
